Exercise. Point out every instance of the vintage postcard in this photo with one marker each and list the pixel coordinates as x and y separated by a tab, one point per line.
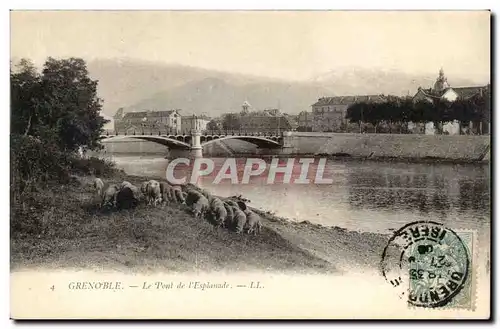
250	164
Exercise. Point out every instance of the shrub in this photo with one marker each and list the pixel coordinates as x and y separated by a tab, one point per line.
33	162
92	166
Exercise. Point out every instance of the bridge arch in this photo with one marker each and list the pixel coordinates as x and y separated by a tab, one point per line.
260	141
163	140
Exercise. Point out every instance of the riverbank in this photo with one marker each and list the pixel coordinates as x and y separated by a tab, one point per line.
73	233
372	147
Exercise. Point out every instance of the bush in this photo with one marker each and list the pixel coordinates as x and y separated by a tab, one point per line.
35	162
92	166
38	167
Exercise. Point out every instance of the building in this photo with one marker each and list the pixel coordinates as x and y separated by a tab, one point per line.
245	108
293	119
329	113
198	122
267	121
305	121
273	112
265	124
148	121
443	90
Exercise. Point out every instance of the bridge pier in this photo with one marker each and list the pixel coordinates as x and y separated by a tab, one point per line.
196	149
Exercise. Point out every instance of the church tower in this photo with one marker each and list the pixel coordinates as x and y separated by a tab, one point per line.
245	108
441	83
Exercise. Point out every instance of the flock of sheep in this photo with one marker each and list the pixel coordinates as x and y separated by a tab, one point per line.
230	213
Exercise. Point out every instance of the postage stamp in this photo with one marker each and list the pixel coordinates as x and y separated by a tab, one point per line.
430	265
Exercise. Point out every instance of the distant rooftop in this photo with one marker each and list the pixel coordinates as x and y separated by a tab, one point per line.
148	113
349	100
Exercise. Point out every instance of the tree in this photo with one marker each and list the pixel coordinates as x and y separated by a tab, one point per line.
231	121
214	125
25	96
61	104
373	114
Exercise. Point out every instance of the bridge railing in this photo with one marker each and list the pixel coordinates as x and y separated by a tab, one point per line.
242	132
225	132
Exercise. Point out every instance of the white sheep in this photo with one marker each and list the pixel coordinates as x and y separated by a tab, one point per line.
240	220
109	195
219	212
144	187
200	207
253	223
178	195
207	195
126	184
166	192
153	193
98	185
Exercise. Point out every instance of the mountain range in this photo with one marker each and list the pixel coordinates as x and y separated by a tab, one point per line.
138	85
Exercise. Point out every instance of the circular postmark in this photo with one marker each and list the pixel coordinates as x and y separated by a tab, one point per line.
427	262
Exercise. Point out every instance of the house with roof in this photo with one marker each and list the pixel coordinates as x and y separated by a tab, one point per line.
443	90
329	113
149	121
305	121
266	121
195	122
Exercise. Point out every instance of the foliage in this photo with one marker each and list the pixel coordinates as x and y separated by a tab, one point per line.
92	166
53	113
231	121
214	125
34	162
61	103
399	110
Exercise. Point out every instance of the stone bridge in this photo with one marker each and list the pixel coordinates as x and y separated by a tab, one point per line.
196	140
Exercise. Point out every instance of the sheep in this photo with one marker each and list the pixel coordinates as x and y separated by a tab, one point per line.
153	192
253	223
206	194
109	195
240	220
178	194
192	196
136	192
125	184
200	207
231	202
166	192
126	198
230	215
242	205
166	189
236	203
218	210
98	185
144	188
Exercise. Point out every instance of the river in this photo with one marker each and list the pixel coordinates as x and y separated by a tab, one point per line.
364	196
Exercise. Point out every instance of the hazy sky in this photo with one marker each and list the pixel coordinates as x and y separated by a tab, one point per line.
289	45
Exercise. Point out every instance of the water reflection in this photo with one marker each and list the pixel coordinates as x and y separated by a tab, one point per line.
365	196
436	191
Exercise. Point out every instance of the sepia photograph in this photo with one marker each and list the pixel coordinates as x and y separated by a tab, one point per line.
250	164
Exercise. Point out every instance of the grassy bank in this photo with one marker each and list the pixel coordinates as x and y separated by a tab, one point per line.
73	233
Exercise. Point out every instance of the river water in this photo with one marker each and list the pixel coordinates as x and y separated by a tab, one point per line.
364	196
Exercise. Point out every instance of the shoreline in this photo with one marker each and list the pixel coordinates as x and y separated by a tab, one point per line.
337	158
179	243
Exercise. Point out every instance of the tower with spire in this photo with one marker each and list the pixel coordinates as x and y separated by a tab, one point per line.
441	83
245	108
